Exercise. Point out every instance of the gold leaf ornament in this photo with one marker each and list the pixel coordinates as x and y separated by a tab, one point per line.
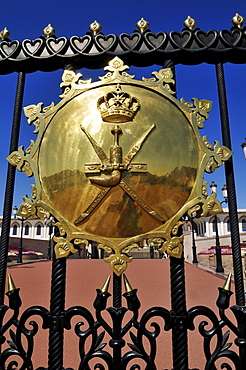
164	74
201	110
32	111
211	206
63	247
222	152
173	246
15	159
118	262
116	65
220	155
27	210
69	78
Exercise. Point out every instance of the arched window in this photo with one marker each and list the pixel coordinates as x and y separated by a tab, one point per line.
228	226
15	228
38	230
214	225
188	228
26	232
243	224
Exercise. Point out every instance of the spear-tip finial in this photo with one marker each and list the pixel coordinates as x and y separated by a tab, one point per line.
227	285
105	286
11	284
128	286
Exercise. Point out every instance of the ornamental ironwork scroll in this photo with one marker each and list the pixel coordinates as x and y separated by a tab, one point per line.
117	161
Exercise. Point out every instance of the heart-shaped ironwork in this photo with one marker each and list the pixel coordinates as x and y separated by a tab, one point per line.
206	39
130	42
231	38
181	40
33	47
56	45
105	42
9	48
80	44
156	40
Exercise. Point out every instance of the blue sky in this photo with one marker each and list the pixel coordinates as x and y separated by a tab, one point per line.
26	20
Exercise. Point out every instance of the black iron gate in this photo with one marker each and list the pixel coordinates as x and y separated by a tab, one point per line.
95	50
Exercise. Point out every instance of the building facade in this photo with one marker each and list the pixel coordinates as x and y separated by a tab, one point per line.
205	231
37	234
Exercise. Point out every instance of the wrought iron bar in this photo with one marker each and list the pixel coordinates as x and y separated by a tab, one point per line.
10	181
219	267
193	240
179	314
57	303
117	290
232	202
240	314
117	343
178	295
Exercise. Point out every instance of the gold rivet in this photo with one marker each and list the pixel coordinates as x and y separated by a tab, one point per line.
190	23
4	34
49	31
238	20
95	27
142	25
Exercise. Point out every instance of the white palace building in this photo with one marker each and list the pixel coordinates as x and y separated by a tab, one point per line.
205	231
37	233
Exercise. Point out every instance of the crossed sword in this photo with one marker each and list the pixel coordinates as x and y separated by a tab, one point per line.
123	166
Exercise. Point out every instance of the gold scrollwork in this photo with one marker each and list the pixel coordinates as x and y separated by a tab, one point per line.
220	155
18	159
173	246
63	247
118	257
200	109
211	206
32	112
116	67
27	211
163	76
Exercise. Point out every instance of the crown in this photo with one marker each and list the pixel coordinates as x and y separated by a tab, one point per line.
118	106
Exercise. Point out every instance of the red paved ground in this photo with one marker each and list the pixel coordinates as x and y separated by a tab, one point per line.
150	277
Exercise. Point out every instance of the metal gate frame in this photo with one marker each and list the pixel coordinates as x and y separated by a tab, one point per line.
142	48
